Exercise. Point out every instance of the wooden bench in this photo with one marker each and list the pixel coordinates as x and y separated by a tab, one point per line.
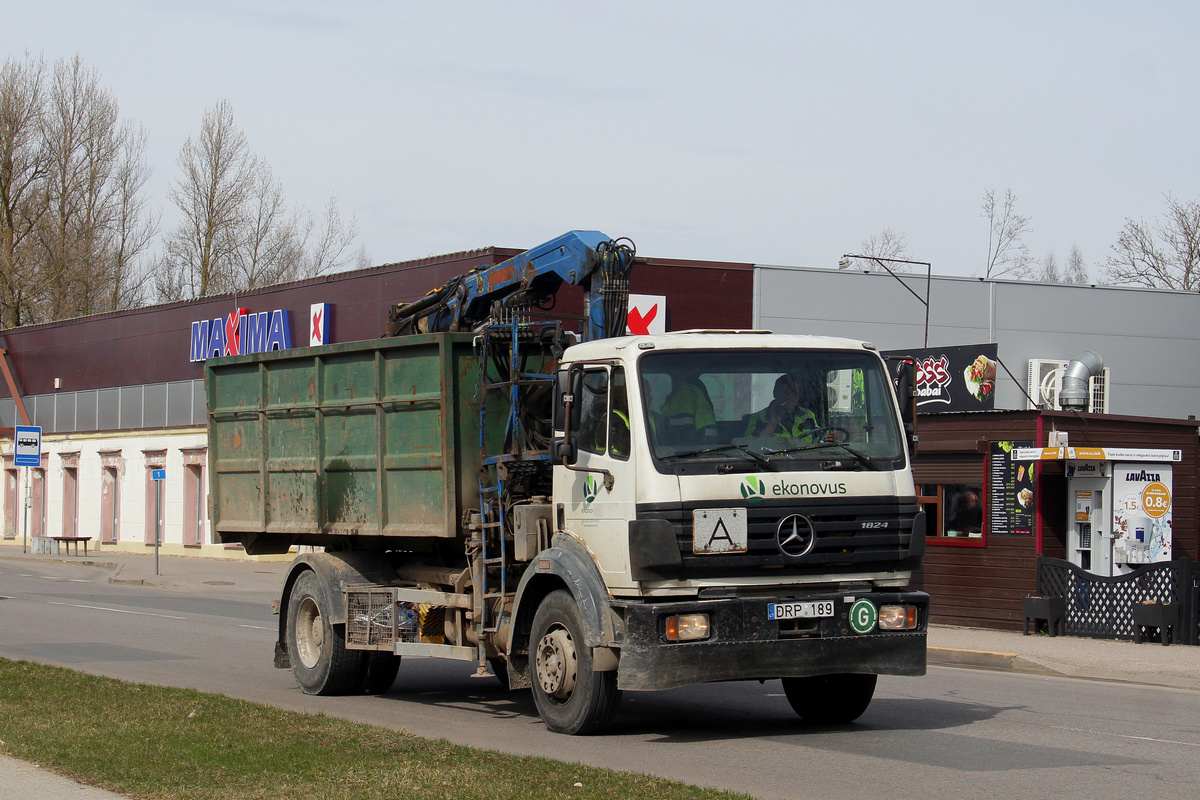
74	540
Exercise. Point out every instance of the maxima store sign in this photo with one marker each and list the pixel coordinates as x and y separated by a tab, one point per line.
244	332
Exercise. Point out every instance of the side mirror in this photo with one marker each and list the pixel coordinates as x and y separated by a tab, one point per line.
906	395
568	391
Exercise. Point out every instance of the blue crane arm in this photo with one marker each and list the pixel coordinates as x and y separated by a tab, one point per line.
580	258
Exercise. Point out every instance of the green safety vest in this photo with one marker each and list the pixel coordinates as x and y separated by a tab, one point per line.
690	400
802	424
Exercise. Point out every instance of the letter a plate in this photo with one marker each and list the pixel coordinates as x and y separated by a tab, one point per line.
719	530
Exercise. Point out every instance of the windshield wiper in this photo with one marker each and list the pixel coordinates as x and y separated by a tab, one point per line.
765	462
859	456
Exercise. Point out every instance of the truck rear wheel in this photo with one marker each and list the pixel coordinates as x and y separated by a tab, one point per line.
830	699
317	648
569	696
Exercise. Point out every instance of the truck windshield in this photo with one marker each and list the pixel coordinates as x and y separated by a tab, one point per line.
769	409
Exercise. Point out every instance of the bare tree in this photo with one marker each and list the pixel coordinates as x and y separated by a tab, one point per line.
22	168
238	231
330	243
1076	269
887	243
217	178
1165	255
1007	253
83	145
1048	270
268	244
74	221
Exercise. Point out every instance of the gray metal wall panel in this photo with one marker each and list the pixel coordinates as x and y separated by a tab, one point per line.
108	409
85	410
154	405
41	412
199	403
179	403
8	413
64	412
131	407
1150	340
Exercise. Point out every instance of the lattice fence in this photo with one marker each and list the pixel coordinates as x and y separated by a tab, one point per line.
1102	607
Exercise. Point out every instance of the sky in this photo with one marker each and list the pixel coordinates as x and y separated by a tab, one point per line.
767	132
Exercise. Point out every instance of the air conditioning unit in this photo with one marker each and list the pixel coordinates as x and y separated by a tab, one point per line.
1045	382
840	388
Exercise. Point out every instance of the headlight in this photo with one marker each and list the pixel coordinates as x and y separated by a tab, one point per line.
687	628
897	618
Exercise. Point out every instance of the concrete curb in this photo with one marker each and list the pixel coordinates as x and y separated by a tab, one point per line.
1013	662
983	659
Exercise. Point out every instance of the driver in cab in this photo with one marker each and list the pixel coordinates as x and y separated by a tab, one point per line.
785	417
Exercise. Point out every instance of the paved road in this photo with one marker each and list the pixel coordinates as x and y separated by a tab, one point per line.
955	733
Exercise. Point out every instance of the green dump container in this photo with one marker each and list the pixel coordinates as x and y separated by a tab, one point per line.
366	439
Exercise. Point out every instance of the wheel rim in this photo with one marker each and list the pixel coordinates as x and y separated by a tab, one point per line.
310	633
557	664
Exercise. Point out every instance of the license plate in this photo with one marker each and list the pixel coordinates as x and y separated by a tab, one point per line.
808	610
719	530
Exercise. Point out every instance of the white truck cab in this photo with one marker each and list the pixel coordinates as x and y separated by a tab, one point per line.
748	500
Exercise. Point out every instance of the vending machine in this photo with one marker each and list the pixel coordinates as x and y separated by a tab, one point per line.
1089	512
1119	514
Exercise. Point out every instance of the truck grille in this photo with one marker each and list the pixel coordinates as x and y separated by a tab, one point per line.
867	534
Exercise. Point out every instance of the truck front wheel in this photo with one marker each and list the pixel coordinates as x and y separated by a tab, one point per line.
569	696
830	699
317	648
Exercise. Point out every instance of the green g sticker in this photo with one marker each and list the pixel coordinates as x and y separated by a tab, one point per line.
863	616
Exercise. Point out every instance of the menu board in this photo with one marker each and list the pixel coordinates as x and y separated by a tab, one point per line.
1010	491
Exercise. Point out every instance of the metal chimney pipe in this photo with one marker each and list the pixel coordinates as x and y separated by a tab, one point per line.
1074	393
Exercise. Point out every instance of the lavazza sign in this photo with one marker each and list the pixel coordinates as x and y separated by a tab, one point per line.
243	332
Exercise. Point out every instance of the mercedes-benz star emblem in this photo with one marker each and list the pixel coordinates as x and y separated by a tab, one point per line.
794	537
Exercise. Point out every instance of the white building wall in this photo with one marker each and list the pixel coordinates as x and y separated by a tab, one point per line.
132	476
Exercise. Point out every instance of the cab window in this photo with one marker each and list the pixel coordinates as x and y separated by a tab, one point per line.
593	411
618	419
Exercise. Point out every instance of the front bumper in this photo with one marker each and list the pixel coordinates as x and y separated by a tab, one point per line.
746	645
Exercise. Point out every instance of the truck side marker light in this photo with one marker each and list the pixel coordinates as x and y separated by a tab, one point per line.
687	628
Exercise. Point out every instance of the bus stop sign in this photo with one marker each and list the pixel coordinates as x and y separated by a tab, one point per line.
28	447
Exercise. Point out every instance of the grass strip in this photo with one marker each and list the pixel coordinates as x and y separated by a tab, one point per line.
157	743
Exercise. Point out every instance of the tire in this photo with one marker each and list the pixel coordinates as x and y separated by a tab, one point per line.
317	649
569	696
830	699
379	671
499	668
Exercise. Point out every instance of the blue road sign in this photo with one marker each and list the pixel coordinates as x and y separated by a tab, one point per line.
27	451
158	474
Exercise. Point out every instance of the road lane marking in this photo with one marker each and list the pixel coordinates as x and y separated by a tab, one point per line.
256	627
1127	736
117	610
